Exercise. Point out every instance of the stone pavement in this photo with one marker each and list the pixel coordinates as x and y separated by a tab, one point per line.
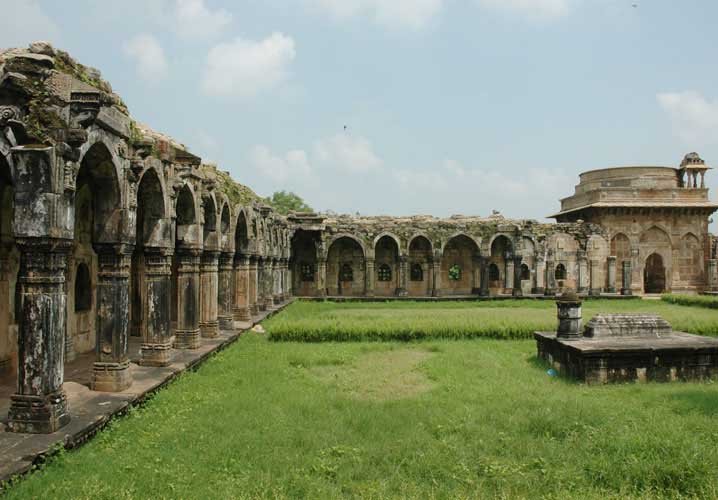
93	410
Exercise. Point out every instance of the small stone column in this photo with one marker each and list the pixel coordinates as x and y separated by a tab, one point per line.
322	278
187	335
209	282
476	274
277	280
241	308
595	282
611	268
253	286
39	405
484	267
626	281
156	296
111	369
713	275
540	276
436	272
224	291
517	291
569	316
269	284
584	276
550	278
508	273
401	290
369	277
261	284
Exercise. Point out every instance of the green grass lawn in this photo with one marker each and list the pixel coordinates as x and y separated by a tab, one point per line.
433	419
354	321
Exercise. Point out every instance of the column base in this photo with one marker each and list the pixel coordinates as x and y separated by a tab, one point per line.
626	291
225	322
209	330
436	293
38	414
517	292
538	291
254	310
549	292
111	377
242	314
156	354
594	292
611	289
584	291
277	300
262	306
187	339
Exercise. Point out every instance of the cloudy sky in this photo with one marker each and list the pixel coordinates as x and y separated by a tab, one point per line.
450	106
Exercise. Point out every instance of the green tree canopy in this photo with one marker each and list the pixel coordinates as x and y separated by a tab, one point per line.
286	201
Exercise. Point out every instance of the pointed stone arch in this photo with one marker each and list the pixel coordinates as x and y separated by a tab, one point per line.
386	264
421	257
459	265
346	253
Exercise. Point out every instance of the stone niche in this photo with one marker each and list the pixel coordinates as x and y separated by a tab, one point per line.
615	348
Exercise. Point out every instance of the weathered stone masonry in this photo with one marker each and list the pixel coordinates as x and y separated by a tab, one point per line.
109	230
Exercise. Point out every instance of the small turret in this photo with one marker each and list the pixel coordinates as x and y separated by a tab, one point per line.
693	165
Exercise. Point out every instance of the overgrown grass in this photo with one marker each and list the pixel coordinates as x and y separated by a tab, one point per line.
262	420
400	320
691	300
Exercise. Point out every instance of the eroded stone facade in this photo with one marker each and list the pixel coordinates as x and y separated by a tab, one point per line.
109	230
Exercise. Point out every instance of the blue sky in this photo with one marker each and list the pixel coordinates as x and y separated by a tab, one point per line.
451	106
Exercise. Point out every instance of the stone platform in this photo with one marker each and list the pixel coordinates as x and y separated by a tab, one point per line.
92	410
600	360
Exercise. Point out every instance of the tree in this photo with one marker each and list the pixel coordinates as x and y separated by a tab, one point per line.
286	201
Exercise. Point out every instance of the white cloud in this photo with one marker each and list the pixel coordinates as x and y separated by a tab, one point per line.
411	14
244	68
149	57
23	22
694	118
292	167
347	153
531	8
195	20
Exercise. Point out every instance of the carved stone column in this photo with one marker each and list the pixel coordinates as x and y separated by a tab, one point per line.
40	404
484	269
224	291
369	277
550	277
584	277
111	369
253	286
401	290
322	278
209	283
508	273
276	283
626	281
241	309
517	291
611	268
595	282
155	299
261	284
713	275
436	273
476	275
540	275
269	284
187	335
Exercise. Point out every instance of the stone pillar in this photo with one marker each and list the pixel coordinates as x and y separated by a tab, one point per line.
484	263
477	268
611	269
242	308
224	291
436	271
517	292
156	300
187	335
569	316
261	283
322	278
39	405
508	273
626	281
111	369
269	284
584	277
401	290
550	278
713	275
209	282
369	277
595	282
253	286
277	282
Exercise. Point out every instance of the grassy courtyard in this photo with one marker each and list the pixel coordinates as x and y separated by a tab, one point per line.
433	419
512	319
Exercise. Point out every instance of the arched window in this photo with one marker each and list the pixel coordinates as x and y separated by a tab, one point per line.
455	272
83	296
525	272
384	272
346	273
417	273
494	274
560	273
307	271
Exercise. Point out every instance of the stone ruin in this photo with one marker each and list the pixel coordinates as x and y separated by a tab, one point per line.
624	348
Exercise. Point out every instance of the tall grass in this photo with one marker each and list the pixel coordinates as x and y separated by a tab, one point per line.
406	321
691	300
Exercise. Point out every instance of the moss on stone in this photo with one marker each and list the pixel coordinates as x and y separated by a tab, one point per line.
238	194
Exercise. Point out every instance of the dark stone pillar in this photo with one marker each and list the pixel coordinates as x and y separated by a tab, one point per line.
209	280
276	287
40	404
403	276
262	284
627	272
484	263
322	278
517	291
368	277
111	370
550	278
187	335
156	299
436	270
224	291
241	310
569	316
254	286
